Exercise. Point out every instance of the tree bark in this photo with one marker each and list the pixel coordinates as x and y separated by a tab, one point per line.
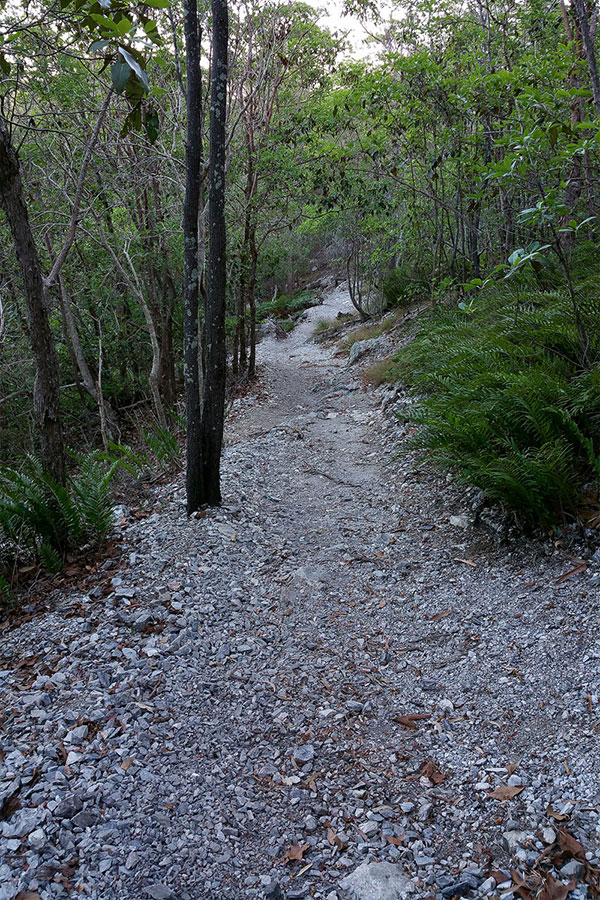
581	11
46	391
191	212
213	395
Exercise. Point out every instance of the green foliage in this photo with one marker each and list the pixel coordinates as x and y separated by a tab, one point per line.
41	517
163	444
285	307
505	401
401	287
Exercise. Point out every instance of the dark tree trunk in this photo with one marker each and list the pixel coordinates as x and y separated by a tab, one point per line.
213	399
193	162
581	12
46	393
252	301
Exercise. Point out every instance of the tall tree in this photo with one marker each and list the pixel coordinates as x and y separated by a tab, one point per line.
191	212
205	406
46	394
214	347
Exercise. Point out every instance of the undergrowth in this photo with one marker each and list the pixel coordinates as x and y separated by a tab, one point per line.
45	519
285	308
508	400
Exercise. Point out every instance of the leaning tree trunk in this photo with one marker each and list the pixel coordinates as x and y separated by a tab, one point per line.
46	391
191	211
213	394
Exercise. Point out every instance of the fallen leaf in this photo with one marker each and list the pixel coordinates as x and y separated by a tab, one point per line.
126	763
556	890
28	895
499	876
558	817
431	770
410	720
441	615
10	806
569	844
576	571
296	852
467	562
396	841
512	767
334	840
506	791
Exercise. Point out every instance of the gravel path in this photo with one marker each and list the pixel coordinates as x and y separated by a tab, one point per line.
332	671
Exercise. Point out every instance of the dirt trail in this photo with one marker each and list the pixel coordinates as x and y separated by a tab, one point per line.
327	670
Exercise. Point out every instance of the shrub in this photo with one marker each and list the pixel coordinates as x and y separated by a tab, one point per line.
401	287
506	401
43	518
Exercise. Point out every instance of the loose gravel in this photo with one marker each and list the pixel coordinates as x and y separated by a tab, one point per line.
334	686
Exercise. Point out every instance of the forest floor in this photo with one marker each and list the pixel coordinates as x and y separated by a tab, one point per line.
334	670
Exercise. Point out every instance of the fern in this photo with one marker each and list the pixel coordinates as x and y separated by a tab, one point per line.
163	444
91	488
504	399
41	517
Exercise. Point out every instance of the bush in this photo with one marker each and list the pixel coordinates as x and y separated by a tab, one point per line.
285	307
401	288
41	517
506	401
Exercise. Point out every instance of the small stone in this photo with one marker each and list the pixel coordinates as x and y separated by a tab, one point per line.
377	881
304	754
548	835
488	886
160	892
514	840
22	823
37	839
77	735
459	521
85	819
425	812
132	860
421	860
68	807
311	824
573	869
446	706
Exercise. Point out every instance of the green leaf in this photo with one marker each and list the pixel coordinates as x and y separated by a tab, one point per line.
158	4
119	74
124	26
151	124
135	67
99	45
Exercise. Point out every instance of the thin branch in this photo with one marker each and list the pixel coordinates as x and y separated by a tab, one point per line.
70	236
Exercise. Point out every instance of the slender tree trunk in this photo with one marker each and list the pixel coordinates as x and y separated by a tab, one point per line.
213	399
46	393
252	301
581	11
191	212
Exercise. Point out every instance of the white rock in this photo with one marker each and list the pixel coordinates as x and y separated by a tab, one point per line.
377	881
37	839
459	521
